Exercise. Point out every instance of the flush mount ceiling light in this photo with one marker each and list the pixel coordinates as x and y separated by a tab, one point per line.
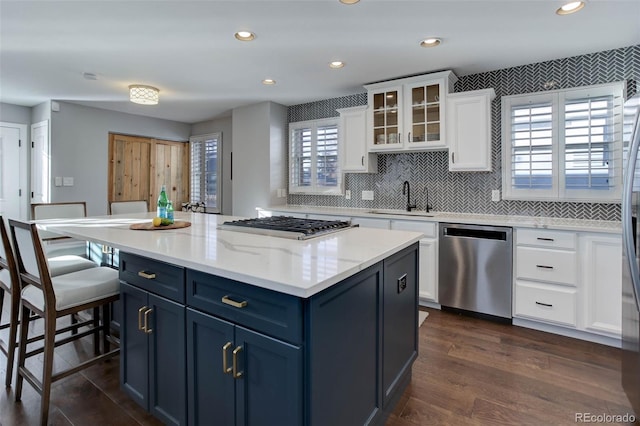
144	95
336	64
430	42
571	7
349	1
245	35
268	82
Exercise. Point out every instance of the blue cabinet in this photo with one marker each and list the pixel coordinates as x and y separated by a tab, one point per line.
244	355
152	338
240	377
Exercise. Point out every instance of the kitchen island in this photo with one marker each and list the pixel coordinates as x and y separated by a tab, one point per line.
233	328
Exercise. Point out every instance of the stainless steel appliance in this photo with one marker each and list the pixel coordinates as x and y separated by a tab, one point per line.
475	268
631	254
287	226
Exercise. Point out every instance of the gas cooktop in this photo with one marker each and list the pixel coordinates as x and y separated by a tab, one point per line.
287	226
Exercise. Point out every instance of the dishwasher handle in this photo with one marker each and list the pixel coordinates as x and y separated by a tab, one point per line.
483	234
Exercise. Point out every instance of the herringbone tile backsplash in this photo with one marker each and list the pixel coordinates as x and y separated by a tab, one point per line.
471	192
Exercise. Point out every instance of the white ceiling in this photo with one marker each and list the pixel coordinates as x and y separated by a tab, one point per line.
187	48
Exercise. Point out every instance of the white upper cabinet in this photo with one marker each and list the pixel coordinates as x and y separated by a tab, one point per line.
469	130
353	141
409	114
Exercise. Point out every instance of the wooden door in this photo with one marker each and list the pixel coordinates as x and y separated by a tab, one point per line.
138	166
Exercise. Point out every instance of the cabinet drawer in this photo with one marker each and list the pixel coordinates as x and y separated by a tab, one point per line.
156	277
366	222
544	238
276	314
546	302
556	266
428	229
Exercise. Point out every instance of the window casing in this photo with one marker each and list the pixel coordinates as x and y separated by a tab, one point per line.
314	162
563	145
206	171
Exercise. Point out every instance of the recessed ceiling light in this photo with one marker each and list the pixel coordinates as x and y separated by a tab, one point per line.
430	42
268	81
349	1
571	7
336	64
245	35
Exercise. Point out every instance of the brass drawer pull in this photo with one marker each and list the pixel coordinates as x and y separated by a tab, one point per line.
544	267
236	374
146	321
228	301
147	275
141	327
225	369
544	304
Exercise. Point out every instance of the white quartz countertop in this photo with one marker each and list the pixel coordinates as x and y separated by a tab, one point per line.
467	218
300	268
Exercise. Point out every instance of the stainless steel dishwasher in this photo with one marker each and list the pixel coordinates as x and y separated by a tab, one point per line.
475	268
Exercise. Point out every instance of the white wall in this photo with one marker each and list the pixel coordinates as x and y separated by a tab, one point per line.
259	131
223	126
79	148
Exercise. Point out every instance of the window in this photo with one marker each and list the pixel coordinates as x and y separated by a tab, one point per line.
563	145
206	176
313	157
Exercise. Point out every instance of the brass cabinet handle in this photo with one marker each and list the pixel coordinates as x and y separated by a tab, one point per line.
146	321
225	369
140	326
147	275
236	374
228	301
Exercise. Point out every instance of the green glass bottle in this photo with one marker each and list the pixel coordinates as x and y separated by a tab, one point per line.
170	211
162	203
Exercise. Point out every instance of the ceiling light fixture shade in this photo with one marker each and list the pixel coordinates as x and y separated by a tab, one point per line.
268	82
336	64
245	35
571	7
430	42
144	95
349	1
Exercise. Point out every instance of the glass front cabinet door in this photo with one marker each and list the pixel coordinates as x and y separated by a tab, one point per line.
386	119
409	114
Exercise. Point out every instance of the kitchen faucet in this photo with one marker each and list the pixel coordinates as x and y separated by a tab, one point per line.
427	206
406	189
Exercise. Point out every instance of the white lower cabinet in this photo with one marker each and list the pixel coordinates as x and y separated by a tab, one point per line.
602	282
428	275
569	279
366	222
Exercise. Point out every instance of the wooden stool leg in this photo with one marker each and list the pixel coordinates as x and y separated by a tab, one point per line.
96	333
106	330
13	334
47	366
22	351
74	320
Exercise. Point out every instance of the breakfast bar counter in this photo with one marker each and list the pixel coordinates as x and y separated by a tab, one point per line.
226	327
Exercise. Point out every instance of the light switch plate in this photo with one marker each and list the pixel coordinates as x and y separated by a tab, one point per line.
367	195
57	181
495	195
67	181
347	194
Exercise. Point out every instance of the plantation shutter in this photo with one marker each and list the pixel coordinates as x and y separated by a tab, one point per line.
206	176
532	146
327	156
590	143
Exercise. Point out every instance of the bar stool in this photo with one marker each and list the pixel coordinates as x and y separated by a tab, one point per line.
51	298
9	283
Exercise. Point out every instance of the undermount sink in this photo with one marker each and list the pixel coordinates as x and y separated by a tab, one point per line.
419	213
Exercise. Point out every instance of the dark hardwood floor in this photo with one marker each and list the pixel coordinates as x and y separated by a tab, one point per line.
469	371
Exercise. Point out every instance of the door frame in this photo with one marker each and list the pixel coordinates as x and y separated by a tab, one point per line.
23	173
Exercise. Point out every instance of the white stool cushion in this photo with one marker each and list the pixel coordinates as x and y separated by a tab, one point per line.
5	277
77	288
61	265
64	246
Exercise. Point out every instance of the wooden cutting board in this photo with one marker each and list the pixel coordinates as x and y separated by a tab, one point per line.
148	226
